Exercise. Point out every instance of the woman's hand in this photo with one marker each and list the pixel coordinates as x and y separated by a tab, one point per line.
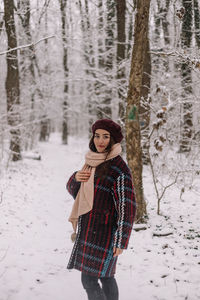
117	251
84	174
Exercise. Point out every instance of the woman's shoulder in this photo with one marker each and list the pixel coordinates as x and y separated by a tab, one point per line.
119	166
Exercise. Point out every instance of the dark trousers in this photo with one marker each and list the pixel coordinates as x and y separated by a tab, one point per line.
108	291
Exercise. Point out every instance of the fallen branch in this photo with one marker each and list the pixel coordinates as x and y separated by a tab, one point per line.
139	228
162	234
27	46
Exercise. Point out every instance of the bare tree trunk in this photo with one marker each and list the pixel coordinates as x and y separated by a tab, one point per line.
161	20
157	23
197	22
89	60
105	105
1	25
12	82
133	133
63	5
121	52
101	60
165	23
186	74
144	104
27	54
165	26
45	123
162	26
99	85
27	71
129	34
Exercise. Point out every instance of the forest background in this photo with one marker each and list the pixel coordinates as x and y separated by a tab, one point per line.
66	63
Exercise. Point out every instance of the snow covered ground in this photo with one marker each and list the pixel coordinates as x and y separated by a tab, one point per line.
35	236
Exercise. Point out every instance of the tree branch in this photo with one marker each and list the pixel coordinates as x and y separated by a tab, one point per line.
168	186
45	6
26	46
186	58
20	15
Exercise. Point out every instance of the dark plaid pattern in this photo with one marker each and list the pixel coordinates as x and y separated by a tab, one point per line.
107	225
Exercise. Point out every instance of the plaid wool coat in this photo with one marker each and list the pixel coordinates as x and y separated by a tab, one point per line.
108	224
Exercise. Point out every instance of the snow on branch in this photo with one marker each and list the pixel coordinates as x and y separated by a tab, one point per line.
186	58
26	46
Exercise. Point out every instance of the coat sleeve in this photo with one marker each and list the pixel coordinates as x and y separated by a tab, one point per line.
125	204
73	186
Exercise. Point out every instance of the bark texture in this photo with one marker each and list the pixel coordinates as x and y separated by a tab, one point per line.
133	133
12	82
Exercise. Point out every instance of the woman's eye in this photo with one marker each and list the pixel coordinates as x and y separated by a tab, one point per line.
104	137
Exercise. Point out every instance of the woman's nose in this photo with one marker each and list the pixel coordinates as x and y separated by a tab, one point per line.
101	140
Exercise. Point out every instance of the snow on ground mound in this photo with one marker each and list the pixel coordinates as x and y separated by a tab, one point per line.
162	261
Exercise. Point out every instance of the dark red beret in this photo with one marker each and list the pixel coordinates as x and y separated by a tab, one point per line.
110	126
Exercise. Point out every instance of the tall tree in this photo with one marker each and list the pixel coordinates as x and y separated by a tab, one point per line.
144	103
165	23
12	82
161	31
45	122
91	85
27	72
186	77
197	22
105	105
100	86
129	31
133	132
63	7
101	33
121	53
161	22
27	54
1	25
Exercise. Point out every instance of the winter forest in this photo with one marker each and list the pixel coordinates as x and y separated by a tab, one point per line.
63	65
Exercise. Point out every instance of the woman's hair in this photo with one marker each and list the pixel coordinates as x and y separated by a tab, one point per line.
103	168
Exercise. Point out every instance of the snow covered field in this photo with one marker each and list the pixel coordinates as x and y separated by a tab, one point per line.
35	235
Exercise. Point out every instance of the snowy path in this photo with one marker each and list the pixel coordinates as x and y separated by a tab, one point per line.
35	237
34	229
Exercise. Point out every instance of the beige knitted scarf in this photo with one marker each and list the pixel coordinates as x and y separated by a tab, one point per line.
84	199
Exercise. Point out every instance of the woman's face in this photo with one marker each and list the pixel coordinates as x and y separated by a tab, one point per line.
101	140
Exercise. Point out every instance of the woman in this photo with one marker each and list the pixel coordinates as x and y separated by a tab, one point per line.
103	211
